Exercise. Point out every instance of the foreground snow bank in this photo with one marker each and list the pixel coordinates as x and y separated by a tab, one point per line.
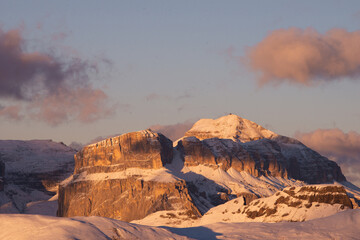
344	225
22	226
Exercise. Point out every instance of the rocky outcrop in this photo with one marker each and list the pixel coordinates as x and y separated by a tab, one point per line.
123	194
125	199
291	204
144	149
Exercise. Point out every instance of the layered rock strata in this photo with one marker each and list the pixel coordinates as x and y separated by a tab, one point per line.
231	141
127	196
143	149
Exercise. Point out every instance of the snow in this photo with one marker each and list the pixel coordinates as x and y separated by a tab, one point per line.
229	127
21	227
157	175
34	156
343	225
235	210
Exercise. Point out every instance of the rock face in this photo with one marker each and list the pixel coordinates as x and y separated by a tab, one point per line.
125	199
121	194
144	149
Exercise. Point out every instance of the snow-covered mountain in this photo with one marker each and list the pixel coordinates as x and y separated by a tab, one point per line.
33	170
229	127
144	177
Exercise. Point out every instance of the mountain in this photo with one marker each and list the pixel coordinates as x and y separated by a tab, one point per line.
229	127
140	174
31	171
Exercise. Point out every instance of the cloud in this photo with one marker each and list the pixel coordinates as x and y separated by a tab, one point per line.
83	104
12	112
48	87
174	131
305	56
344	148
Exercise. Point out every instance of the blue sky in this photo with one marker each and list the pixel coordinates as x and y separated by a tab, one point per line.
169	63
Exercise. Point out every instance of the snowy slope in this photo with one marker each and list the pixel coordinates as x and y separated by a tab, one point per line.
229	127
24	227
344	225
33	170
34	156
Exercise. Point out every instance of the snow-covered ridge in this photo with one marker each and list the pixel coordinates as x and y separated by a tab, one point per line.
229	127
34	155
115	140
33	170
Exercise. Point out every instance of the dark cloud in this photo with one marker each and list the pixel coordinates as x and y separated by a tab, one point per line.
305	56
344	148
49	87
174	131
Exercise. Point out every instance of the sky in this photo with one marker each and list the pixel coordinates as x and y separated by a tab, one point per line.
72	71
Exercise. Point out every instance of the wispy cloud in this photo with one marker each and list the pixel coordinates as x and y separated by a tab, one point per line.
47	86
344	148
305	56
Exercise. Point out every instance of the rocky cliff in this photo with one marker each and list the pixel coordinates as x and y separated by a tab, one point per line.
144	149
117	178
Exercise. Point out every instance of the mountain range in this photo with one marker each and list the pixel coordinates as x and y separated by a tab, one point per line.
225	170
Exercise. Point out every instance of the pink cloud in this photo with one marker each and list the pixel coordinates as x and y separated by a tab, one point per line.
12	112
174	131
305	56
83	104
344	148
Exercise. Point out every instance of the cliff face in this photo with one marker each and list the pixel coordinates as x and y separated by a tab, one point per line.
118	178
125	199
144	149
264	157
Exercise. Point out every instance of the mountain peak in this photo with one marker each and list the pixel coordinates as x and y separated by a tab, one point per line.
229	127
